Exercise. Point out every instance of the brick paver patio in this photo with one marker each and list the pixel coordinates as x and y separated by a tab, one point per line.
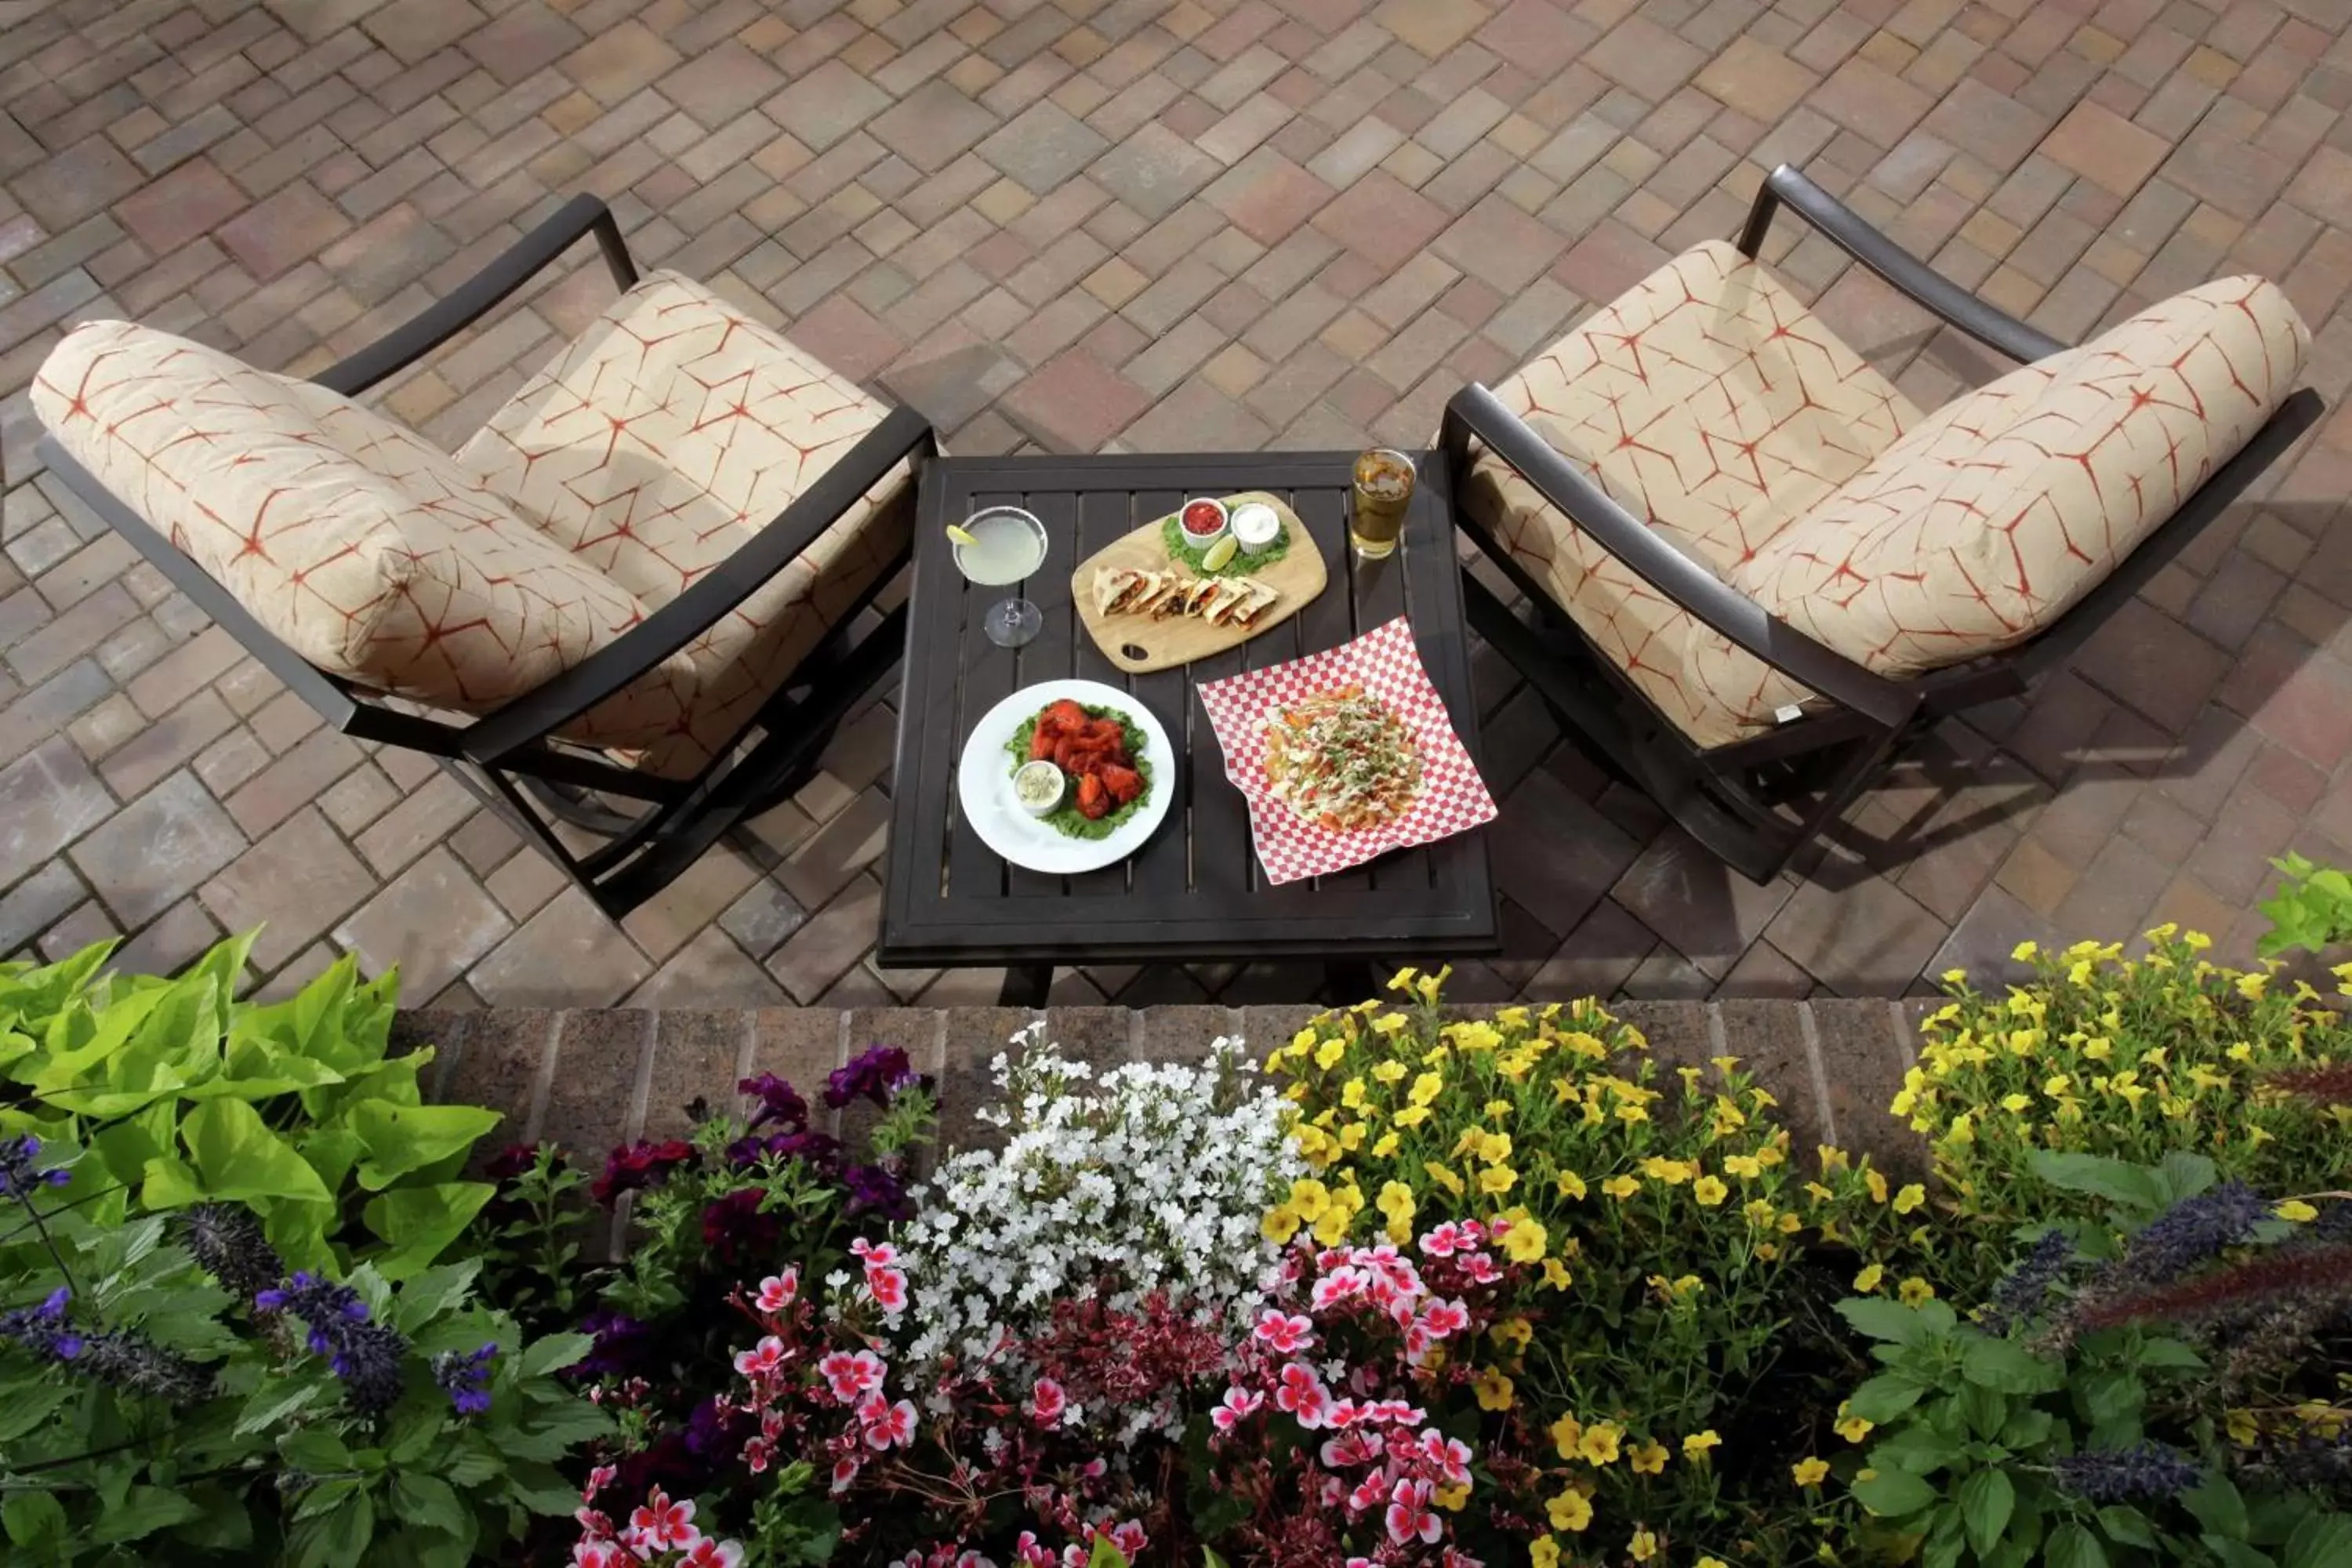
1156	224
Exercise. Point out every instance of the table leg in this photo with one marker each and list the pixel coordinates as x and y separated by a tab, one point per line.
1349	981
1025	985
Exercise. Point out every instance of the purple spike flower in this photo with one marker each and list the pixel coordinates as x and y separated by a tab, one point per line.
226	1242
466	1379
122	1359
2118	1475
364	1354
18	1176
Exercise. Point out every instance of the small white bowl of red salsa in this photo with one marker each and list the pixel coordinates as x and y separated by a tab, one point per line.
1202	522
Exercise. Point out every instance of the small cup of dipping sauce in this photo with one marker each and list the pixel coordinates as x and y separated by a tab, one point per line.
1202	520
1255	526
1039	788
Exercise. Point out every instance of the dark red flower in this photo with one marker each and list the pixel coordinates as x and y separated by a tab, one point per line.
641	1165
514	1160
734	1228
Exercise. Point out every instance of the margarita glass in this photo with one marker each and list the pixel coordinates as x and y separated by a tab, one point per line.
995	548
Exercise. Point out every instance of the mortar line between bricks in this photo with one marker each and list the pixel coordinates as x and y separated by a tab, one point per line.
542	1083
1810	1031
446	1052
1903	1038
641	1092
1717	1039
748	1050
1135	1033
939	1064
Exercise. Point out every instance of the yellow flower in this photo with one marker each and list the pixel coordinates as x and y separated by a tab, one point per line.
1854	1429
1351	1094
1385	1146
1710	1562
1709	1191
1513	1331
1412	1116
1622	1187
1674	1172
1910	1198
1566	1432
1915	1290
1332	1229
1328	1054
1649	1459
1571	1185
1494	1390
1351	1137
1867	1280
1496	1179
2296	1210
2023	953
1599	1443
1545	1553
1428	985
1444	1176
1629	1112
1746	1167
1495	1147
1451	1498
1310	1198
2015	1103
1279	1224
1495	1110
1389	1071
1570	1511
1426	1088
1525	1240
1877	1185
1697	1447
1388	1024
2243	1428
1403	979
1790	1224
1812	1472
1643	1546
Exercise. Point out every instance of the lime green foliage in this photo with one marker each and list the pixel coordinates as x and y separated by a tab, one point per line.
2313	909
184	1093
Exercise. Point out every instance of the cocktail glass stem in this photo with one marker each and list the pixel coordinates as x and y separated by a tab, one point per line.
1012	622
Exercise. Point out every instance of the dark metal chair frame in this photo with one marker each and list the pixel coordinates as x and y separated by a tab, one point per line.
1747	802
508	757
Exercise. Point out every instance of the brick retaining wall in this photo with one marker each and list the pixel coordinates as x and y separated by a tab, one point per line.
592	1079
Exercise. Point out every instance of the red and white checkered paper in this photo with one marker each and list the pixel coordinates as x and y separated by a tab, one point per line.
1385	663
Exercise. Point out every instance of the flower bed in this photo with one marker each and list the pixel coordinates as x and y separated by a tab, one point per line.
1423	1288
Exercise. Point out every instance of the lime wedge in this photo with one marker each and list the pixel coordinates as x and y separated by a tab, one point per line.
1220	555
963	536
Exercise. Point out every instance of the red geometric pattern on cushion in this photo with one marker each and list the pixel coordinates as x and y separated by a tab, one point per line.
1710	401
2004	507
665	438
357	543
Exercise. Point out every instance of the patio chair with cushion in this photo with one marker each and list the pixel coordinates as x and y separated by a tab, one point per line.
1758	569
658	546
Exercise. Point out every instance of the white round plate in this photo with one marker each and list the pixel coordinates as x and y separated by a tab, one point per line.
984	783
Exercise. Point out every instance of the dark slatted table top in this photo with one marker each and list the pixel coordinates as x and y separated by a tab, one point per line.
1194	892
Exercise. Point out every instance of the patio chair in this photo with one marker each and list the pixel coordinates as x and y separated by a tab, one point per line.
1757	570
661	544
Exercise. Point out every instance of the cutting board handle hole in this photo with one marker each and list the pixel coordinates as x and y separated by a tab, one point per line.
1130	650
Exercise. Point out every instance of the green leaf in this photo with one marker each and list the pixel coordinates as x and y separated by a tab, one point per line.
1106	1555
1885	1396
2322	1541
2072	1546
274	1403
2218	1507
240	1157
349	1529
540	1487
430	1293
2237	1553
2119	1181
2170	1353
31	1518
1890	1494
2185	1174
2028	1428
417	1224
28	1406
314	1450
1987	1500
555	1353
428	1501
1984	1409
1880	1319
2005	1366
470	1465
143	1512
401	1139
1209	1558
2125	1523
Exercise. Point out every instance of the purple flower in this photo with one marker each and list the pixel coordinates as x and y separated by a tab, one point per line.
226	1242
2118	1475
880	1189
877	1074
820	1151
466	1379
514	1160
708	1430
2020	1295
778	1102
622	1344
2191	1231
120	1359
43	1330
364	1354
18	1177
639	1165
735	1227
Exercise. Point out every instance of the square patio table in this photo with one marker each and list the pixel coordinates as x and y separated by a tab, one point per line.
1194	892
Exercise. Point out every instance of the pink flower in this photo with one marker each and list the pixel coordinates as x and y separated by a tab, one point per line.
887	1287
1473	1233
1285	1333
1130	1537
598	1479
1368	1495
1442	1241
602	1554
1444	1319
1031	1552
712	1552
1337	1287
1349	1450
1480	1267
757	1453
844	1470
1094	1469
763	1360
874	1253
1409	1514
1394	1410
1047	1402
1418	1342
852	1375
1302	1396
1239	1405
885	1423
1450	1455
664	1524
777	1291
1344	1412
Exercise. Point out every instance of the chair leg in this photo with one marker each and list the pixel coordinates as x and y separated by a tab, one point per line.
579	808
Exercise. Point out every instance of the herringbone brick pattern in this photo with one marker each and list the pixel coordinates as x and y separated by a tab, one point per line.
1156	224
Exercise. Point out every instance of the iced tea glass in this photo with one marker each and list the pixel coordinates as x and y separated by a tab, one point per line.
1381	496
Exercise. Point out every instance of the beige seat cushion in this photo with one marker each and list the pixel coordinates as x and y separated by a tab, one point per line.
1710	401
2004	507
354	542
665	438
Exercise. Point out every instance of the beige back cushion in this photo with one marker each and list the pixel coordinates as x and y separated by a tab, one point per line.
1988	519
363	548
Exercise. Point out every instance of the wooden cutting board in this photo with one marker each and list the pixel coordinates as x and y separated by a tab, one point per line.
1139	645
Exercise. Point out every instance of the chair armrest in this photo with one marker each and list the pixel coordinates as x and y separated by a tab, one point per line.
538	715
1852	233
478	295
1475	411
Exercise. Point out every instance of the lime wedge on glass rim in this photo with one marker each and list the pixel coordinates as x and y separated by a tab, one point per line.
962	536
